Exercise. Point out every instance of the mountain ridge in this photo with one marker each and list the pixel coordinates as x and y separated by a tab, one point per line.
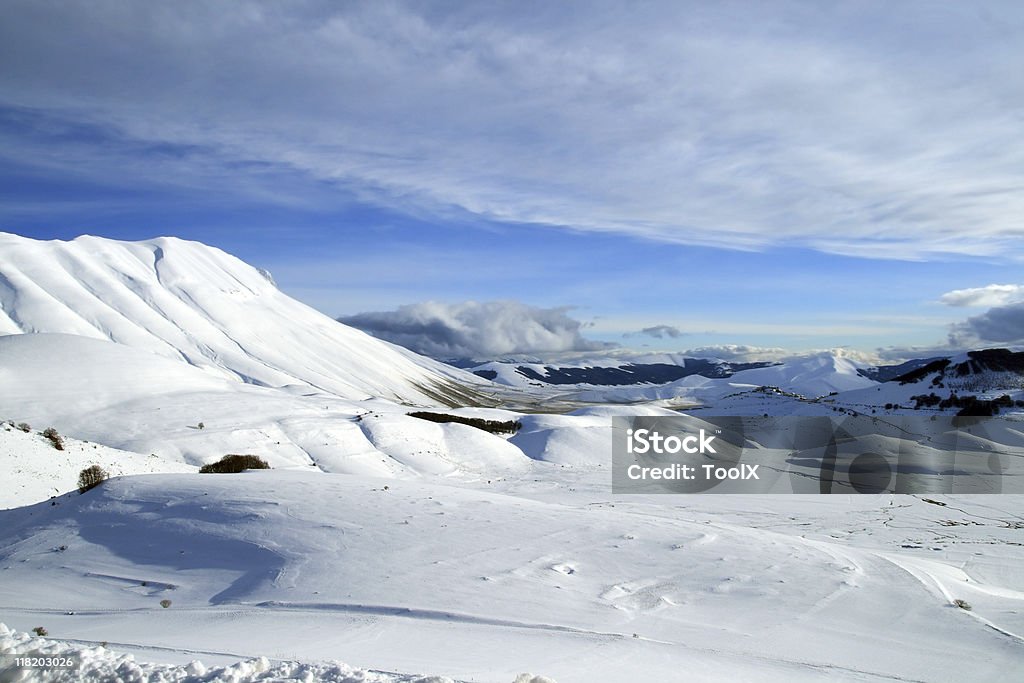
200	305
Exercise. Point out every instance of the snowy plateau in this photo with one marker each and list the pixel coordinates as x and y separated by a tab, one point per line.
384	547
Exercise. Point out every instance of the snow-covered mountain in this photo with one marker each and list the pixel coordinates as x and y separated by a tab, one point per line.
981	371
198	305
983	382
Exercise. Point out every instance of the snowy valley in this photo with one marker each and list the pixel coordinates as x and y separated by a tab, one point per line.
421	550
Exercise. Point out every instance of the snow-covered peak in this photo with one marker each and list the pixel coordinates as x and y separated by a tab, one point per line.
197	304
813	375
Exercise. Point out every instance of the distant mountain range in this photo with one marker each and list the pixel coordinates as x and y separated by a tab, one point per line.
973	364
983	382
623	375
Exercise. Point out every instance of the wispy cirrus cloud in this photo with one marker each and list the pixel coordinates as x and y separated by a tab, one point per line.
739	125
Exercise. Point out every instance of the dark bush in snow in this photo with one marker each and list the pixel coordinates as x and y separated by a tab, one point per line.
492	426
55	438
233	463
91	477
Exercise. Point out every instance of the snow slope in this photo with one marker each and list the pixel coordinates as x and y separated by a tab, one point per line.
139	401
549	576
582	437
32	470
196	304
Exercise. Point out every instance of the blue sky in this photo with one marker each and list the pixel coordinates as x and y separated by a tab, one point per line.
779	175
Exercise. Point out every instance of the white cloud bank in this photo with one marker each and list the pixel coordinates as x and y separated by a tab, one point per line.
742	353
481	330
879	129
990	295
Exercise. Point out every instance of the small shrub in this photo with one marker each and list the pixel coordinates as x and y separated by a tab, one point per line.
91	477
201	425
962	604
40	631
56	439
233	463
25	427
165	603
